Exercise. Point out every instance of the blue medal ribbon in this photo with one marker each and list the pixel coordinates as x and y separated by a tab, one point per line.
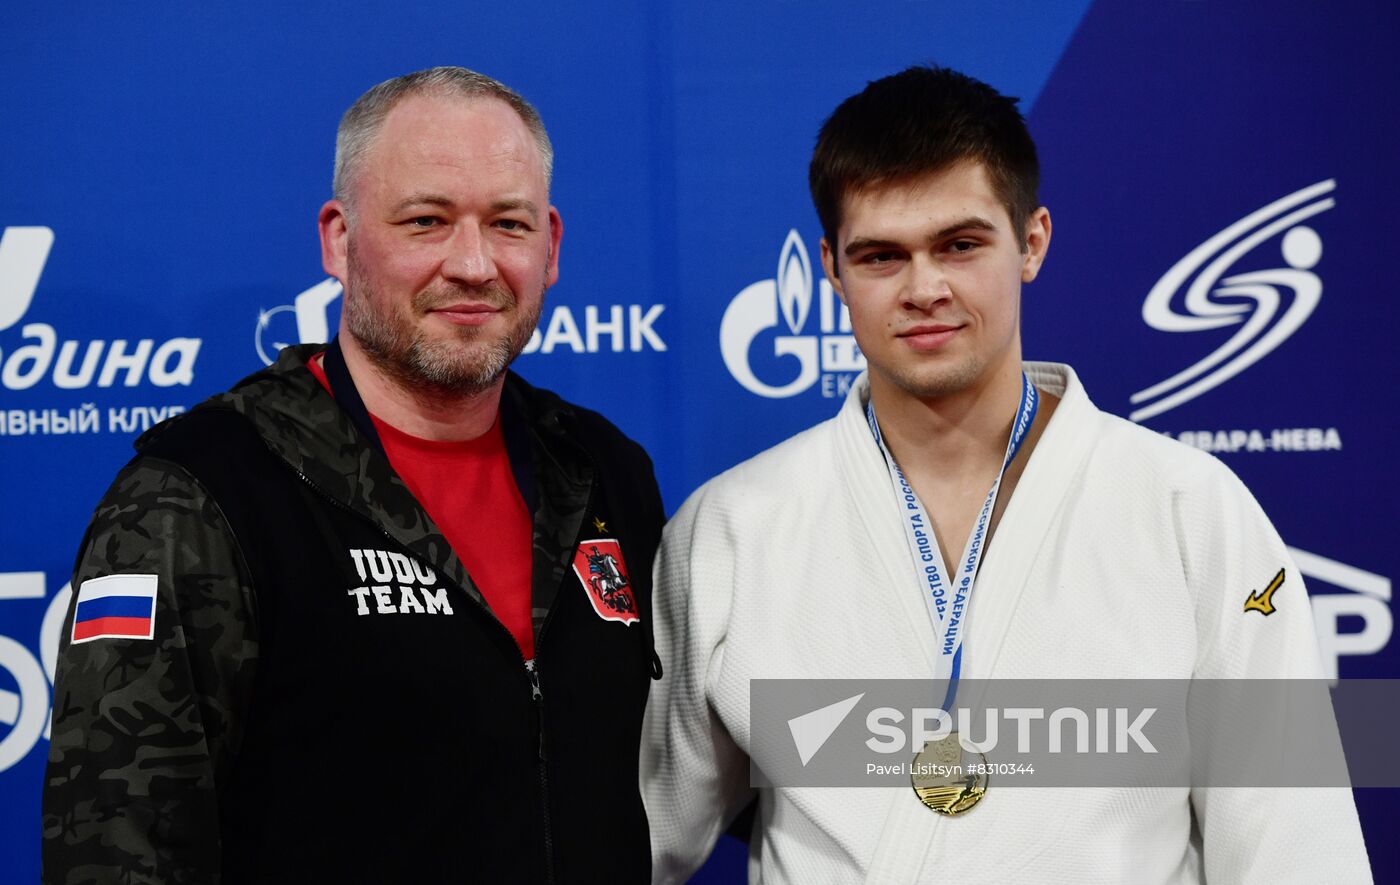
947	595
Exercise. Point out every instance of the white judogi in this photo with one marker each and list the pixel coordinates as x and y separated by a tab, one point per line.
1121	554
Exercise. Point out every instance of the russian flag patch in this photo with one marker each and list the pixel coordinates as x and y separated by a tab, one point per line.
116	607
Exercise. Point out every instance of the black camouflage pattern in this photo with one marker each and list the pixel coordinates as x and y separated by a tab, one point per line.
565	487
157	719
160	719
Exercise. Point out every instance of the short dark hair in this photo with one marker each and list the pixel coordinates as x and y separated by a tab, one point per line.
919	121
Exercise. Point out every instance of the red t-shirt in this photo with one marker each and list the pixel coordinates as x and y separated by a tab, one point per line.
469	491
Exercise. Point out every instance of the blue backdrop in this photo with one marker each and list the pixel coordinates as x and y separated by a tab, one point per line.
1220	174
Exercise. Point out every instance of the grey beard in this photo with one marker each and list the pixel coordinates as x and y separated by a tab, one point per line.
453	368
437	367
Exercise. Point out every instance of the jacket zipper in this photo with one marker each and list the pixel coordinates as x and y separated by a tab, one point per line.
531	666
537	695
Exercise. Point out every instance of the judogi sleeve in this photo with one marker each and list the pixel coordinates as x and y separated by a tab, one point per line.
1231	554
694	776
144	729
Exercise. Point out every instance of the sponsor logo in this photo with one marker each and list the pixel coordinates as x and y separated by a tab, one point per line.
400	585
25	682
767	326
33	355
614	328
1262	601
1280	439
1367	598
24	252
603	573
306	320
1268	306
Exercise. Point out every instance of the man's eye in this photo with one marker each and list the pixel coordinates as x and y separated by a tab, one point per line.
962	247
880	257
424	221
511	224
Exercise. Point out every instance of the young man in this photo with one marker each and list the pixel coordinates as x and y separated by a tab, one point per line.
340	623
808	561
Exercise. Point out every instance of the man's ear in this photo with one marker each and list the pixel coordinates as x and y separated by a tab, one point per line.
829	267
556	233
334	225
1037	243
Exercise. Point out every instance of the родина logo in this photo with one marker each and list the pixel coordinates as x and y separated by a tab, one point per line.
24	251
36	358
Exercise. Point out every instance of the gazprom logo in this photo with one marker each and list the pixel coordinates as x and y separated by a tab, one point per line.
1257	302
775	313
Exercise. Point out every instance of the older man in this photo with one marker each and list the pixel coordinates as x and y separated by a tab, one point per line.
343	622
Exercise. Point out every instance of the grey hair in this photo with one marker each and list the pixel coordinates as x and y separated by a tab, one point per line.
365	117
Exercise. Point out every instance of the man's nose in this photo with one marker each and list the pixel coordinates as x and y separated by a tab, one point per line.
469	260
928	284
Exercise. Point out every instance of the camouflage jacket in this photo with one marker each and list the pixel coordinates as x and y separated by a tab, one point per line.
326	696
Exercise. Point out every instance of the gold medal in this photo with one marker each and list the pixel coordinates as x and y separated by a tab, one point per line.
941	778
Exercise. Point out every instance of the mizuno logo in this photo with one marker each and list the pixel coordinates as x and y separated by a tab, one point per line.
1257	302
1263	601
